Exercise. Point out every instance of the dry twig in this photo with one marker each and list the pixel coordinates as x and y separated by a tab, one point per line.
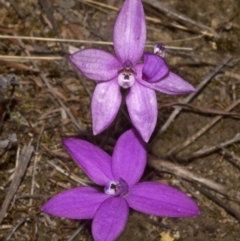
76	123
182	172
203	110
203	29
47	7
16	227
77	41
232	155
81	227
36	159
188	99
20	170
220	203
68	174
172	13
17	9
208	150
199	133
24	58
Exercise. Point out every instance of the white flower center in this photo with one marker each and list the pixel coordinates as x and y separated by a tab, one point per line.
119	188
126	77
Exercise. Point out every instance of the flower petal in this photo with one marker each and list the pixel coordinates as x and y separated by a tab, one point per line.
130	32
142	107
161	200
154	68
76	203
106	102
94	161
129	157
95	64
110	219
172	85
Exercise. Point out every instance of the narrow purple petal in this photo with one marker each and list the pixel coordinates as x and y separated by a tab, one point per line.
106	102
95	64
130	32
110	219
172	85
94	161
129	157
76	203
161	200
154	68
142	107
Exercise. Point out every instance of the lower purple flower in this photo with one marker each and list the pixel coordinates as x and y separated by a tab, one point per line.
119	175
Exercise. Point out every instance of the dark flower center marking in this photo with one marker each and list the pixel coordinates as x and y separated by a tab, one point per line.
119	188
126	76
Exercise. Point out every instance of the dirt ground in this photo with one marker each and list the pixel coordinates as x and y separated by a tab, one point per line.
51	101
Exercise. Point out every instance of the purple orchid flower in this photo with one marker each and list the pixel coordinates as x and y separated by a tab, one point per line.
123	70
119	175
154	76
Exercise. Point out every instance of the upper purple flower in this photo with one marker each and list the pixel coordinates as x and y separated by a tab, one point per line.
124	69
118	175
